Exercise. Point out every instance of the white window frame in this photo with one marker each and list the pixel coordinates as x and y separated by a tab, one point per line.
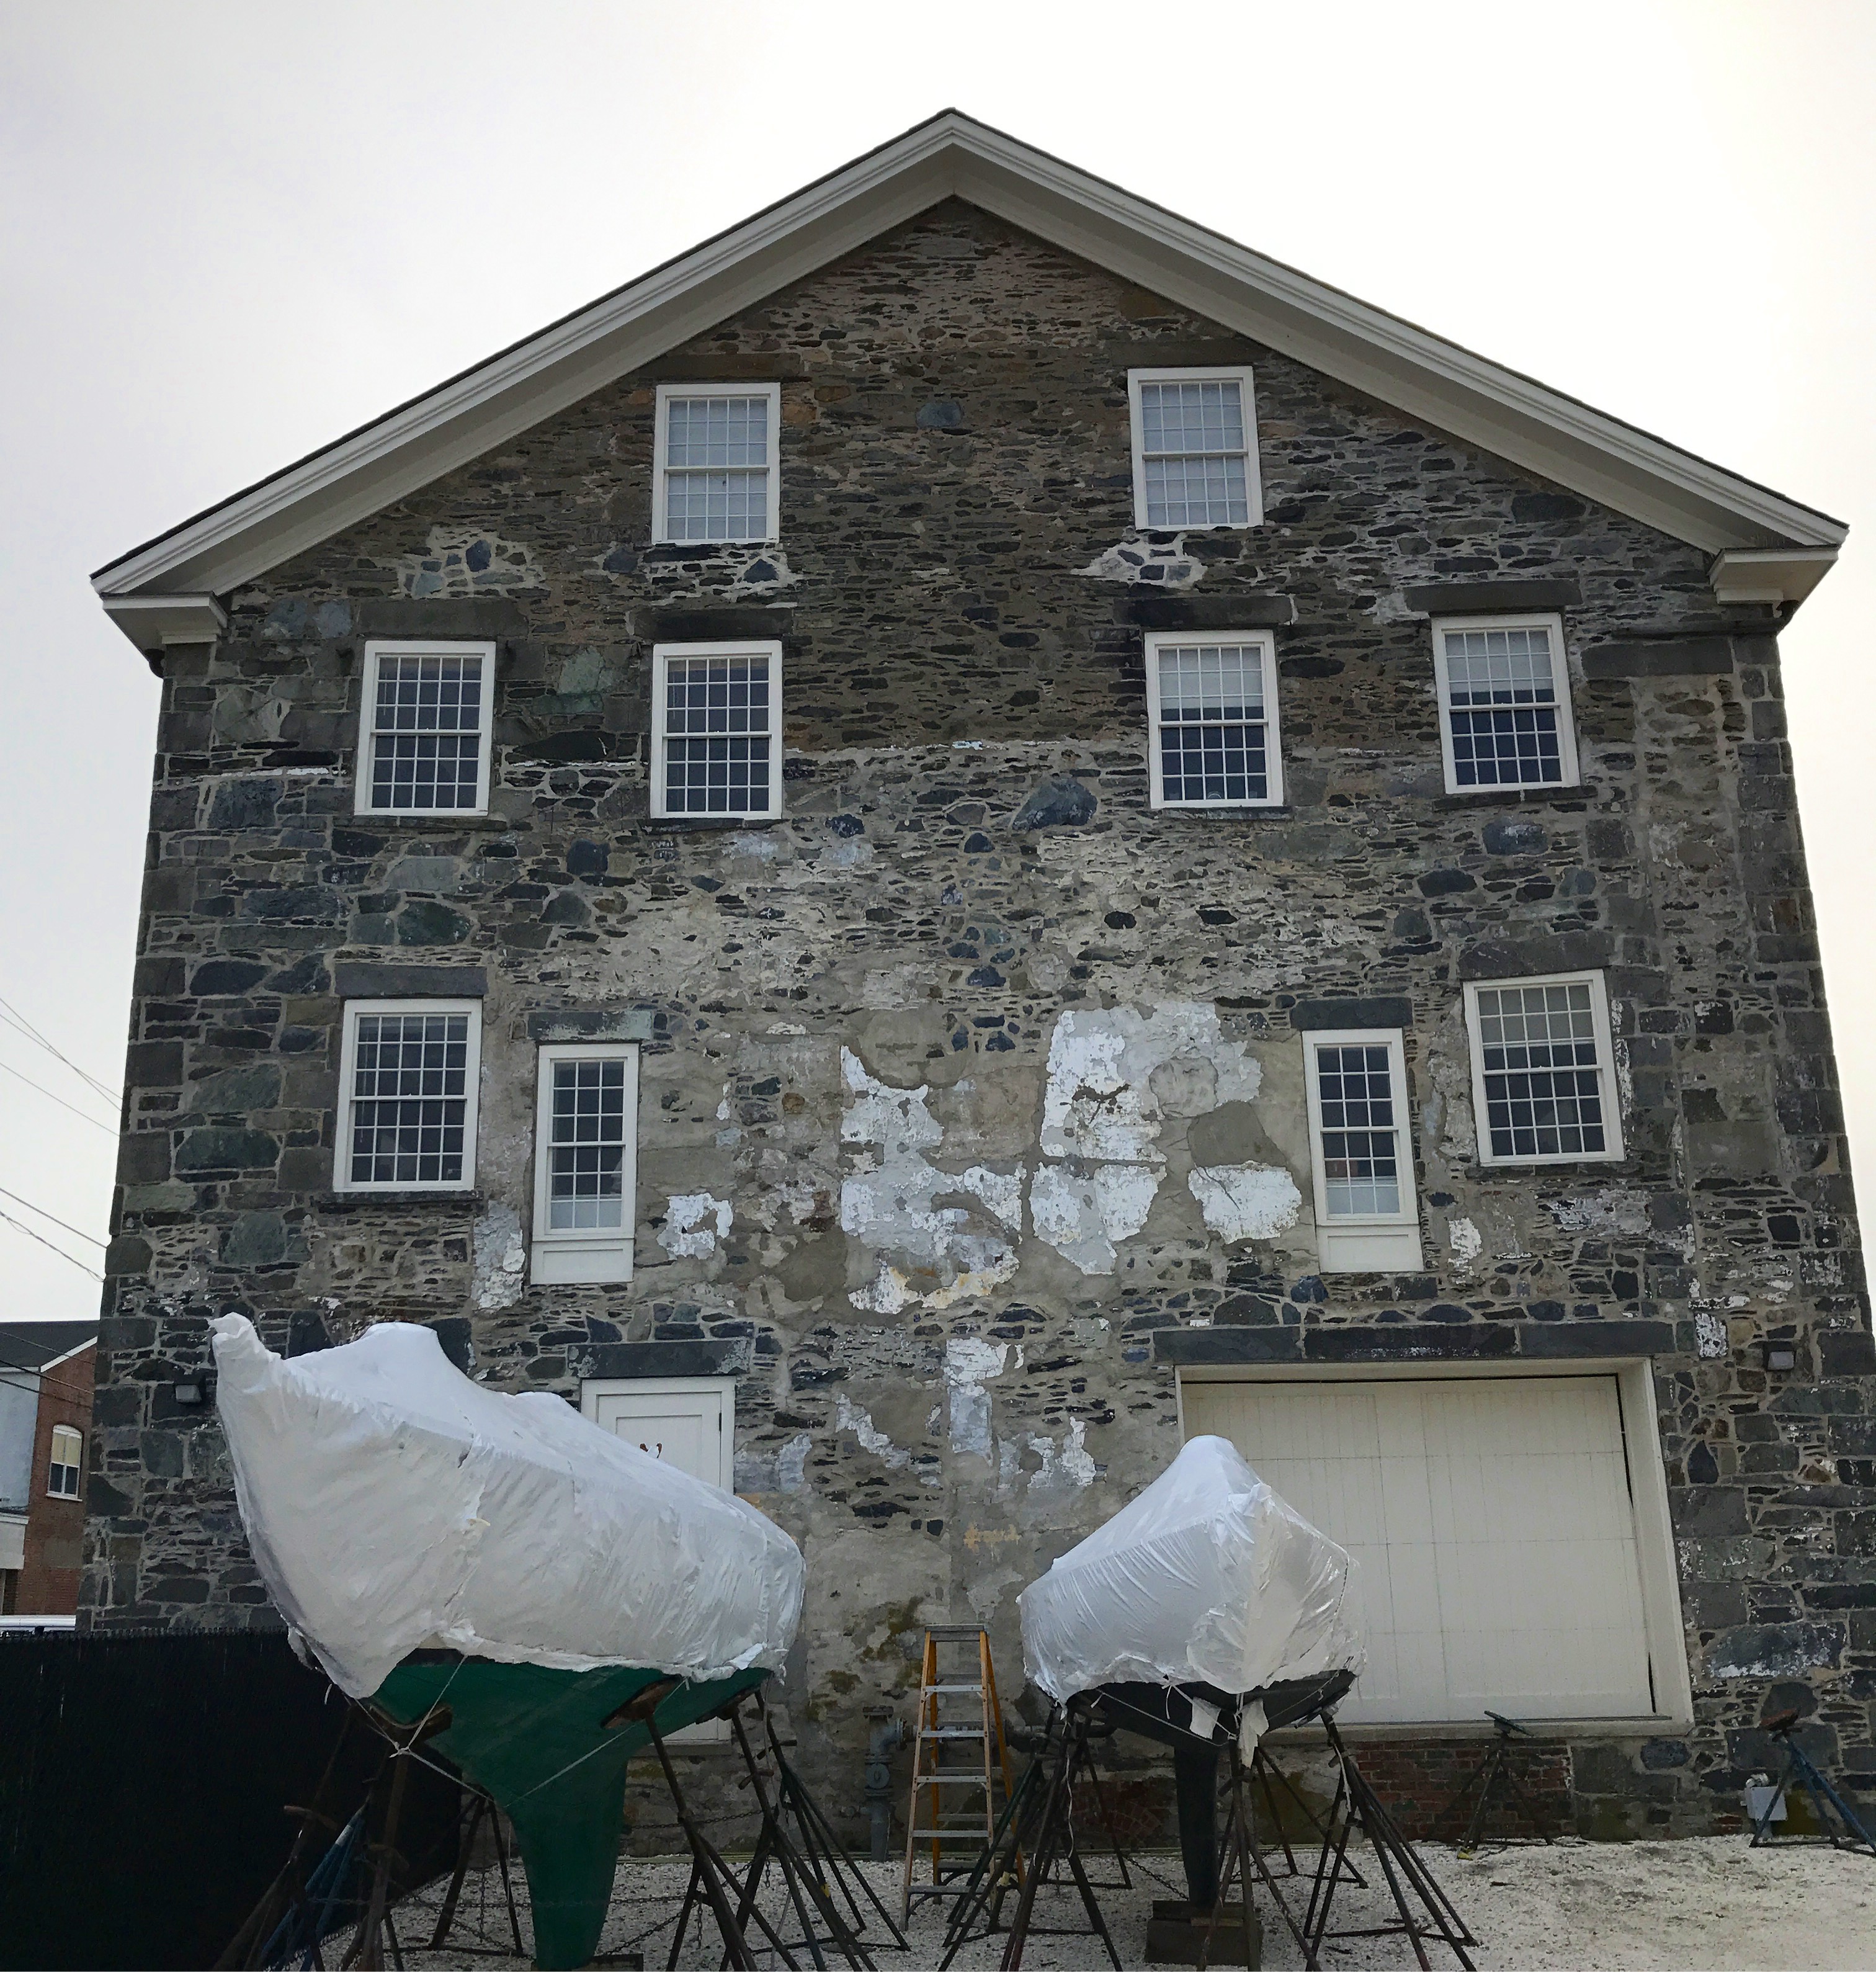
1610	1089
1547	620
660	454
381	648
1265	642
583	1255
662	656
1380	1242
75	1464
1238	374
472	1074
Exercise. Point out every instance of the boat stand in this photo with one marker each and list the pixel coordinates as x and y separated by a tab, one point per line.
1798	1767
1409	1881
1037	1822
1495	1767
1240	1852
1268	1776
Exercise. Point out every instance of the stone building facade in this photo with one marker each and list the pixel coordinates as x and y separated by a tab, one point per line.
972	1128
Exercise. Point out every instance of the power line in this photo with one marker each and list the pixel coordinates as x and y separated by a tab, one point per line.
15	1018
109	1129
56	1221
8	1219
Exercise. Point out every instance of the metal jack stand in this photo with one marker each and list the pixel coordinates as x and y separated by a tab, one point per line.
1798	1767
1357	1805
1495	1767
482	1807
1241	1853
1270	1777
1037	1822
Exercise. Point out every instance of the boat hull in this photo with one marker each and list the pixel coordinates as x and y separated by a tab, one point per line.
536	1740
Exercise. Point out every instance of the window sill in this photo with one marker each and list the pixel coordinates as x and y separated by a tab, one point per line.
468	1200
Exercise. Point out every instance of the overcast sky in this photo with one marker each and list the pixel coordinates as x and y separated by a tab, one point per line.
229	232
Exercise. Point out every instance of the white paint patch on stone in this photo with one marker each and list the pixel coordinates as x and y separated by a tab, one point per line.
970	1363
1101	1099
1082	1216
1465	1240
467	562
499	1273
927	1253
1601	1212
849	1416
792	1464
687	1233
853	852
1129	561
734	571
753	843
1709	1337
1246	1201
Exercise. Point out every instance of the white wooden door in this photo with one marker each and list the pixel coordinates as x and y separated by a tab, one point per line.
690	1422
1491	1527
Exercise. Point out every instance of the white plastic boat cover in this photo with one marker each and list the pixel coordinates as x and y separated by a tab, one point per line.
1206	1575
392	1504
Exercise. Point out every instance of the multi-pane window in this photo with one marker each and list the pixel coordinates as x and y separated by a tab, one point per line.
1195	449
407	1095
1212	720
717	475
67	1456
717	729
1505	703
586	1121
1543	1080
424	730
1365	1215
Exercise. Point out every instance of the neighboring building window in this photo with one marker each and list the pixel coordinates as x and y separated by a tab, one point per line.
717	729
424	730
1195	449
585	1142
1543	1071
407	1090
67	1456
718	476
1366	1218
1505	703
1212	720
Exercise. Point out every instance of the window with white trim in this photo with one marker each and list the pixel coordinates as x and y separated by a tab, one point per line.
424	729
586	1156
1543	1070
407	1095
1505	718
1367	1220
1195	449
1212	720
68	1454
717	729
718	474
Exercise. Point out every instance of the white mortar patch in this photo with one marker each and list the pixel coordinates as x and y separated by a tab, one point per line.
1601	1212
1465	1240
1082	1217
470	562
1246	1201
1129	560
850	1417
684	1235
969	1364
792	1464
500	1271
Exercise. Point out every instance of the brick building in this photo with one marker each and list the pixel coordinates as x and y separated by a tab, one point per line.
46	1372
972	828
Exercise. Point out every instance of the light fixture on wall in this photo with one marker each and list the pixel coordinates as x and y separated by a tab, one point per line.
1780	1358
192	1393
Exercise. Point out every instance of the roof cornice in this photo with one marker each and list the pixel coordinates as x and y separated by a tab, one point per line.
1429	379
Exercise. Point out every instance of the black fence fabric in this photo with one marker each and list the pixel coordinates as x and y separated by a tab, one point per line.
143	1782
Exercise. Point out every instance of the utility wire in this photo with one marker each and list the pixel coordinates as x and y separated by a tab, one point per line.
56	1221
109	1129
15	1018
8	1219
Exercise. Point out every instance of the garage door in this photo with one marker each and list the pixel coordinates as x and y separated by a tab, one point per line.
1493	1527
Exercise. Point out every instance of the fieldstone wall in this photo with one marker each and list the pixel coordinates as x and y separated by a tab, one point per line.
884	1177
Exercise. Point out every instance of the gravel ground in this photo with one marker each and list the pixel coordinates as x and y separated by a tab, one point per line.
1687	1906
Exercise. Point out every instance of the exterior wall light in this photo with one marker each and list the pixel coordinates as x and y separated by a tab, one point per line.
1780	1357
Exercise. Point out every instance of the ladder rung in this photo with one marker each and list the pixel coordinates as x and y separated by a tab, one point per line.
933	1690
952	1732
976	1780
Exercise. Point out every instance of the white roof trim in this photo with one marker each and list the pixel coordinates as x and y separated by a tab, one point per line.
151	622
1770	575
1423	375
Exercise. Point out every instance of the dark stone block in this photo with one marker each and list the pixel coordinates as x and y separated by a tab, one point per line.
1207	612
1776	1649
1660	657
1446	883
940	414
1326	1016
218	1149
1515	838
143	1158
361	980
1660	1755
452	1332
1705	1510
481	617
587	859
592	744
1846	1352
1408	1344
1225	1345
247	803
424	923
127	1255
727	625
1611	1339
592	1023
1524	957
704	1356
1060	802
1480	599
257	1239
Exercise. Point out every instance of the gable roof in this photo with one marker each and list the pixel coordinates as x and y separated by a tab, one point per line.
43	1345
1786	547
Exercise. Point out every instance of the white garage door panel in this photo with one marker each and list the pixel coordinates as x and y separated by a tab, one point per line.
1492	1528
